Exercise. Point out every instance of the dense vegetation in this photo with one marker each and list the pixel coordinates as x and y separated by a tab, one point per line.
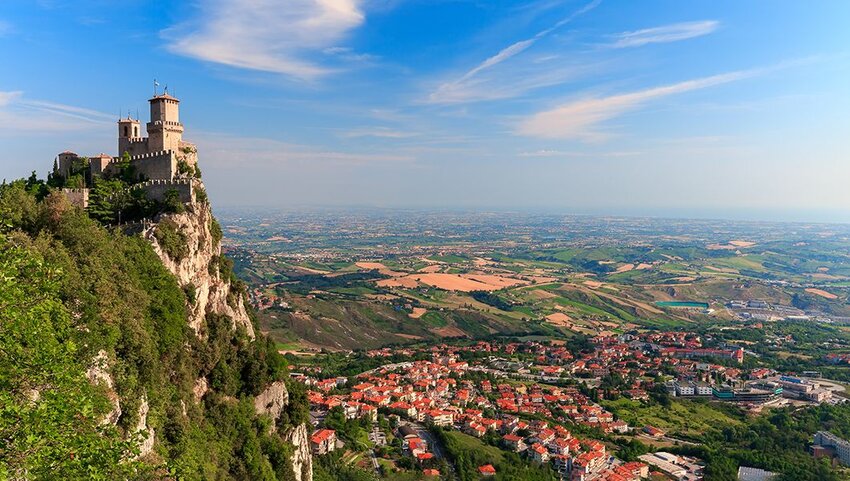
70	289
491	300
468	453
777	441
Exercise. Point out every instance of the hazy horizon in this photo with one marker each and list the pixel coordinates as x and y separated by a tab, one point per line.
666	109
837	216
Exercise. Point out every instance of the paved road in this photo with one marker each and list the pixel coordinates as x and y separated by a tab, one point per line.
433	443
375	462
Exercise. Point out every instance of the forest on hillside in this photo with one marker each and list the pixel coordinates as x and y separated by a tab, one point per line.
72	290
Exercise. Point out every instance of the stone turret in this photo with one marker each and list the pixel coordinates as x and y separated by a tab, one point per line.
165	132
129	133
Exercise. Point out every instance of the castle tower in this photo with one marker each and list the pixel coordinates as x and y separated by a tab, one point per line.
65	163
129	131
165	132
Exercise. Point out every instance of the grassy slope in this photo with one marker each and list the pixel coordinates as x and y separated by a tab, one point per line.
682	417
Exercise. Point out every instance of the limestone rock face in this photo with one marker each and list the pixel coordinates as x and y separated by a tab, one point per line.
198	267
302	458
200	389
272	401
146	446
98	373
197	271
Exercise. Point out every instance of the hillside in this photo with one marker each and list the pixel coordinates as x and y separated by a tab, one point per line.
129	353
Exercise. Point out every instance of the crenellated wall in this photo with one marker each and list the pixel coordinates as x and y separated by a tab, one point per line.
160	165
158	188
77	197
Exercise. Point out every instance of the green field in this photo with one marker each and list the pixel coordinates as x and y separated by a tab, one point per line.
684	418
471	443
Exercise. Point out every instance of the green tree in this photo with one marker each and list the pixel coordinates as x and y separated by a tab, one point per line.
50	415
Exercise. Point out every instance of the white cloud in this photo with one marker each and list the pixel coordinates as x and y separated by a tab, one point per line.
267	35
664	34
467	88
20	114
5	28
578	119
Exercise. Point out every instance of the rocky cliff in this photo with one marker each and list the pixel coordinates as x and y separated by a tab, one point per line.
272	402
302	458
197	267
126	337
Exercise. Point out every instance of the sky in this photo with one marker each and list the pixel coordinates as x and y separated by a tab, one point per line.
735	109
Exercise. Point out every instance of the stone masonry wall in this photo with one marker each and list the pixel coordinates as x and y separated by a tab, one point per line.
157	189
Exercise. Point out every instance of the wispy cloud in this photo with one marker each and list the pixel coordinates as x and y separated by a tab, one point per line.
466	87
348	54
576	153
267	35
20	114
579	118
666	33
227	151
380	132
7	97
5	28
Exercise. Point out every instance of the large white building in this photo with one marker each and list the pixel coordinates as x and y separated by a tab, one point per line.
840	446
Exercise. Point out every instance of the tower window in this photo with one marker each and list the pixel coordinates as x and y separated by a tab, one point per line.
135	131
126	131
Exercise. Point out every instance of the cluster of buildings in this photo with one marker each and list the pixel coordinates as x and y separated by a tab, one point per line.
514	394
525	418
762	387
760	310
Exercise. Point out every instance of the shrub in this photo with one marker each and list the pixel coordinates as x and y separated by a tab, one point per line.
215	230
191	293
201	195
171	202
172	241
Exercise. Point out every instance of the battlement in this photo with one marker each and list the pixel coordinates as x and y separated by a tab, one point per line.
136	140
148	155
169	123
158	189
161	165
147	183
151	155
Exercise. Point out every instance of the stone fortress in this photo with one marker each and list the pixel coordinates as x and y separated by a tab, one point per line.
161	162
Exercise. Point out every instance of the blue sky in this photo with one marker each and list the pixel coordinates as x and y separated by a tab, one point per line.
709	108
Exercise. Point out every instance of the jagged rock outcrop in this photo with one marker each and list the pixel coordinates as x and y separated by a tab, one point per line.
302	458
272	401
198	270
146	445
200	389
98	373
